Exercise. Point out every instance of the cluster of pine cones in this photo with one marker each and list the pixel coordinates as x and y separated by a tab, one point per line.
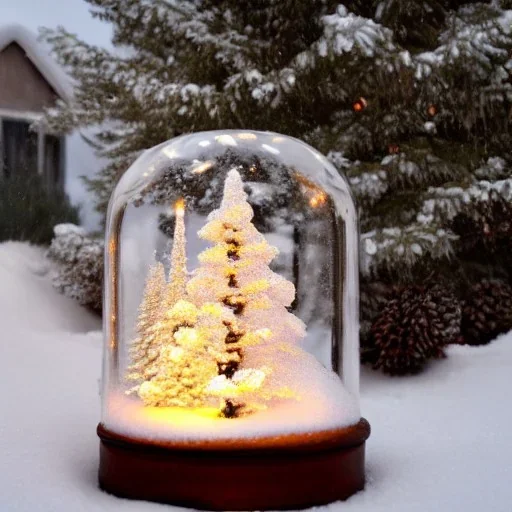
415	323
404	328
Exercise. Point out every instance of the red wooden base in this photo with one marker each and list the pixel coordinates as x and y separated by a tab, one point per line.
285	472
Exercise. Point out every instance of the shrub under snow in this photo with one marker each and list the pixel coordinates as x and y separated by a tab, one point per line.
79	258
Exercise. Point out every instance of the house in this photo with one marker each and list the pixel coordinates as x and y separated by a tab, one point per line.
30	81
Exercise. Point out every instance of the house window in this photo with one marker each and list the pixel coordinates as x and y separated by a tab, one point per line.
28	152
52	159
19	148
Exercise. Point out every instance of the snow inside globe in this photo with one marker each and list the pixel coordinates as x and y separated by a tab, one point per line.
231	327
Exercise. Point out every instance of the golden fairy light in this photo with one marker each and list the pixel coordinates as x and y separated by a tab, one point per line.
179	207
319	199
360	104
432	110
315	196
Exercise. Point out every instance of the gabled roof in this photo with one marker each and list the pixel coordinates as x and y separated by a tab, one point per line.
39	56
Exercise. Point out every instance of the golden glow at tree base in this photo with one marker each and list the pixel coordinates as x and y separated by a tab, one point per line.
178	416
194	336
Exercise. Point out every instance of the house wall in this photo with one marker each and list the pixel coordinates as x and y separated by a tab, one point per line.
22	86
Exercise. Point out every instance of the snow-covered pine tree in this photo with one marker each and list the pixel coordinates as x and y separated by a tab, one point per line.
159	297
178	274
411	98
193	65
145	347
178	347
235	272
191	344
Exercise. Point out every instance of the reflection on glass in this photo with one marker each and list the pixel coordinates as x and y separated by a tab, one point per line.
231	291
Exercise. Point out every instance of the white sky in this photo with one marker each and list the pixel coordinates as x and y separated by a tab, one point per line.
74	16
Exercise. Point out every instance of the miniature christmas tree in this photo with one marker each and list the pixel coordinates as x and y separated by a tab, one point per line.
190	351
144	349
180	346
158	321
235	273
177	288
187	360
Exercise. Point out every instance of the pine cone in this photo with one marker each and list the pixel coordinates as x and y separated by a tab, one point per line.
487	312
414	326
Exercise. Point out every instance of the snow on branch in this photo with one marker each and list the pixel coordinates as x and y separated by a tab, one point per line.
494	169
417	167
346	32
79	265
368	185
391	248
472	38
444	203
230	47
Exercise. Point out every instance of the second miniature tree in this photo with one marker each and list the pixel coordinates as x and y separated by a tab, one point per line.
159	297
177	287
175	356
144	348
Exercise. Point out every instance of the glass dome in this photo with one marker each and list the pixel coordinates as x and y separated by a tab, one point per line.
231	295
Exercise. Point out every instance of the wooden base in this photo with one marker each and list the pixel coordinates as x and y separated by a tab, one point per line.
285	472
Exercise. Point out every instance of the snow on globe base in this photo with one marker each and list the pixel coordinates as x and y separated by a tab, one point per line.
231	363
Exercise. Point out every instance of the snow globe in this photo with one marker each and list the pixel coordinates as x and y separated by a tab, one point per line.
231	362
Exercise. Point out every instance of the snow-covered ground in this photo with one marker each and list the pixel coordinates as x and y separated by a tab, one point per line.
441	441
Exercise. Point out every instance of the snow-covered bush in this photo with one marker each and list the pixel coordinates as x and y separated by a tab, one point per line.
79	258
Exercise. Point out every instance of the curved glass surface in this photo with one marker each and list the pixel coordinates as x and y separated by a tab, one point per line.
231	291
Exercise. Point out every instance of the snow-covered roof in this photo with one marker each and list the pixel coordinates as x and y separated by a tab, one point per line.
39	56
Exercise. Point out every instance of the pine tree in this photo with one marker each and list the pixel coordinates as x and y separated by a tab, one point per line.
145	348
235	273
411	99
178	275
190	339
179	346
159	297
186	362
